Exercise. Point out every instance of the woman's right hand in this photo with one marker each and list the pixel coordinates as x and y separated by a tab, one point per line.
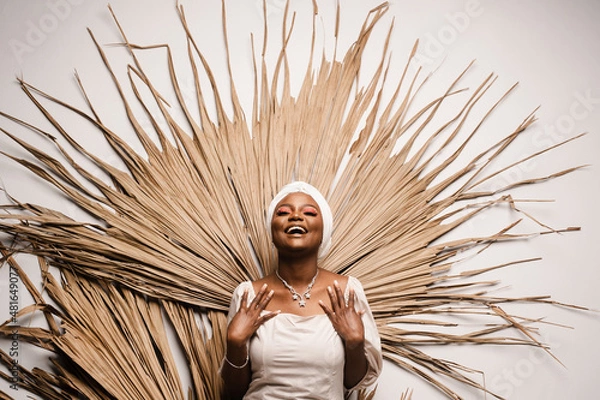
248	318
236	371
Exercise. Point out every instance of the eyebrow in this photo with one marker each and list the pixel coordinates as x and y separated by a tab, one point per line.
303	205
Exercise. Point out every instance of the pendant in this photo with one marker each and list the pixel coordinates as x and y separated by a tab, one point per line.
296	295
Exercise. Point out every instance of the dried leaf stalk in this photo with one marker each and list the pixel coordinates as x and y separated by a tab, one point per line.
183	224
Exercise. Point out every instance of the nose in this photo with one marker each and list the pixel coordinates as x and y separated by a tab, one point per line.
295	215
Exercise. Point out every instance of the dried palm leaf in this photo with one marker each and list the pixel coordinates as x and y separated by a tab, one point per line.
183	224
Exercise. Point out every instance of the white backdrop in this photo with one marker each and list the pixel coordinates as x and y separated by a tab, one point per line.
550	47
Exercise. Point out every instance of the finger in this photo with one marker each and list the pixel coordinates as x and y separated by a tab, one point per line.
351	299
268	316
244	301
327	310
339	294
332	298
259	296
262	291
263	304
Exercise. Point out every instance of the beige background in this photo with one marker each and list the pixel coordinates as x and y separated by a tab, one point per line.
550	47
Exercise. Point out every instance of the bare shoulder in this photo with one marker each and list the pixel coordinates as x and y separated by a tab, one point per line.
329	277
270	280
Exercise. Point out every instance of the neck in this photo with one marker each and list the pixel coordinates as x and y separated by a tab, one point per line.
297	271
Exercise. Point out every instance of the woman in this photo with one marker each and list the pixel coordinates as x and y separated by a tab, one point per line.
302	332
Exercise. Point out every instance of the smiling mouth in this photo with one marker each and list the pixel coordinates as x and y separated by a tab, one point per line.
294	230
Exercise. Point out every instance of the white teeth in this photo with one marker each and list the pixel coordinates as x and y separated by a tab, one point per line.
295	229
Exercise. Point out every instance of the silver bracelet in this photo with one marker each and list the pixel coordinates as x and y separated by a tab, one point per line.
237	366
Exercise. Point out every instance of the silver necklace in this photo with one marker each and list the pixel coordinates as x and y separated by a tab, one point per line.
295	295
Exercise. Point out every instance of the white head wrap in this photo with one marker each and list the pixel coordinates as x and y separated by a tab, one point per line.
299	186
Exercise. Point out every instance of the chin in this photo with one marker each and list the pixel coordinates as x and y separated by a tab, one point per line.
298	251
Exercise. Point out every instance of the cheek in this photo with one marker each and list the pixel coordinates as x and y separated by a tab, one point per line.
276	228
273	230
318	227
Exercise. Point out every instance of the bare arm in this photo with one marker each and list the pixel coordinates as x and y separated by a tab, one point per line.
356	365
236	377
236	371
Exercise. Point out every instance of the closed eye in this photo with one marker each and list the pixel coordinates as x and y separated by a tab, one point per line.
311	211
283	211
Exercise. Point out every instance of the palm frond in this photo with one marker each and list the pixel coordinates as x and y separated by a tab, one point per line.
183	224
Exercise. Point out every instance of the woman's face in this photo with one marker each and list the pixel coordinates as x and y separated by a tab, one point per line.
297	225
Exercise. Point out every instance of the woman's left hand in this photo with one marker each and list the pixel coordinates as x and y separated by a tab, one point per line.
345	319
